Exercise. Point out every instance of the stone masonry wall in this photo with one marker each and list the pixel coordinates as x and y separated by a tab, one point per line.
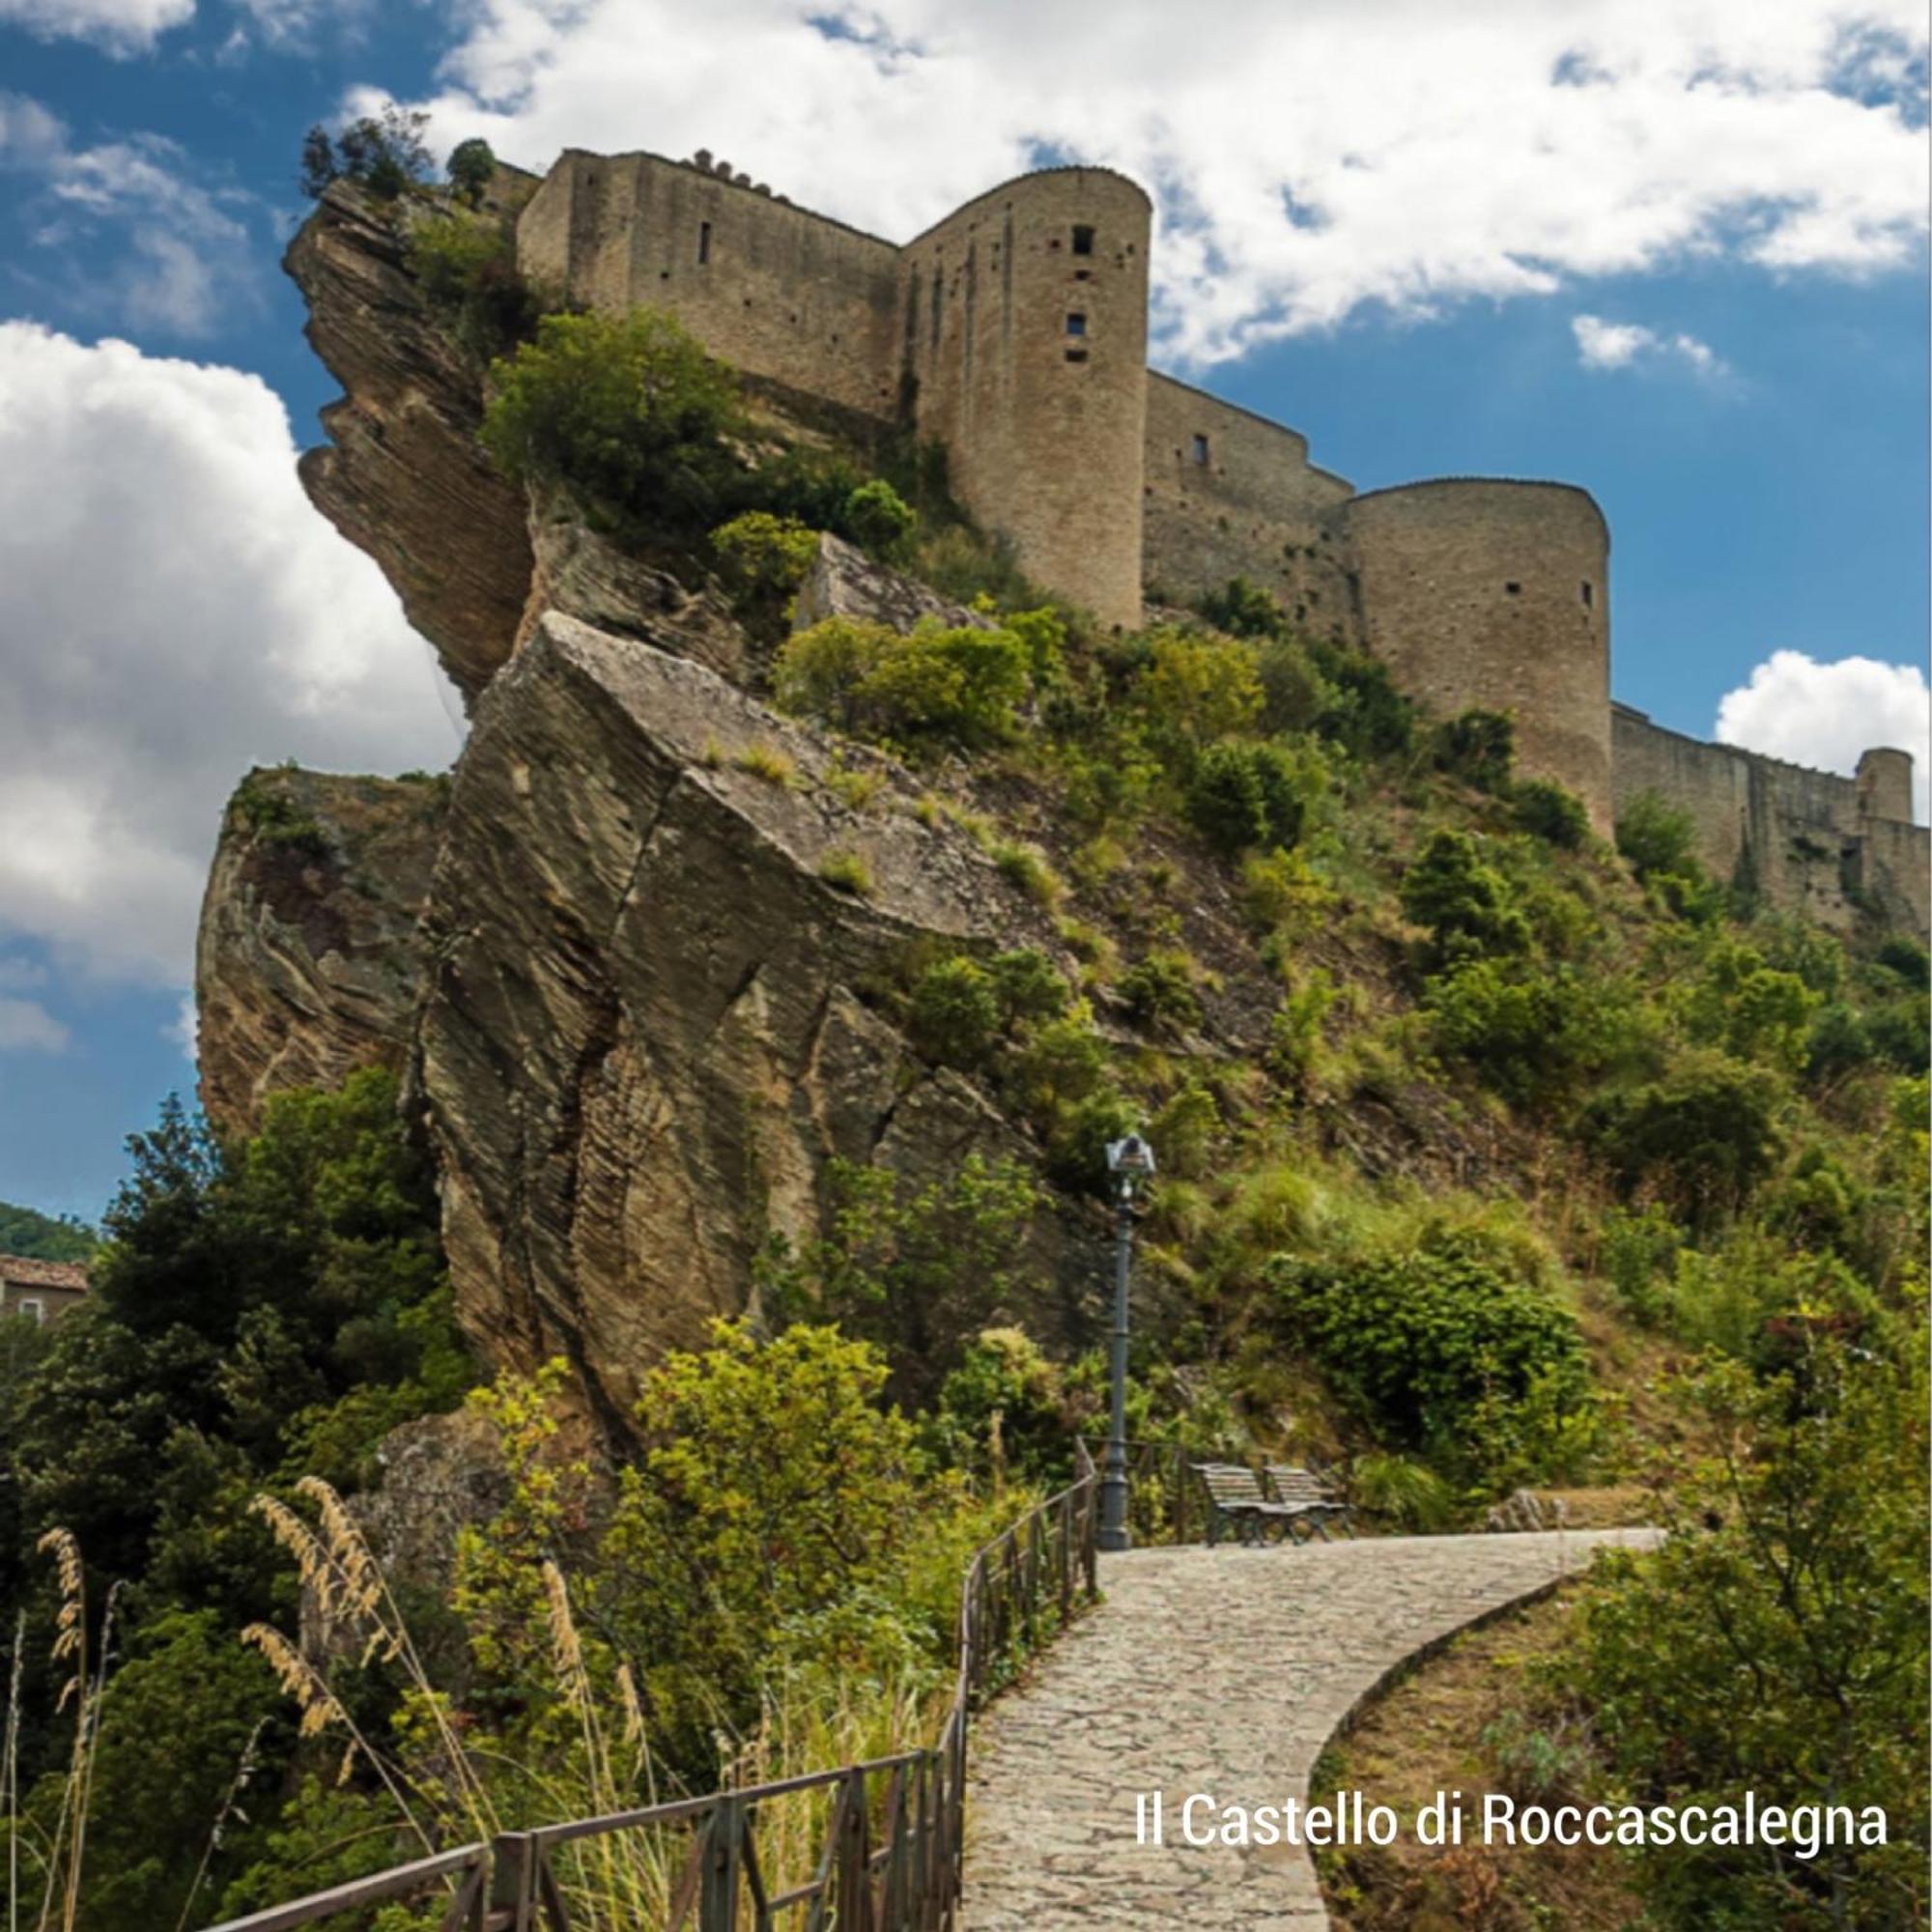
1799	835
1495	594
1229	493
1024	326
775	289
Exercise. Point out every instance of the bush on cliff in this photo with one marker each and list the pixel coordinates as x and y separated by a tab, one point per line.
932	685
625	412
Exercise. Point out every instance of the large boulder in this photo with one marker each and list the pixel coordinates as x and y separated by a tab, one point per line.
843	582
651	1017
305	965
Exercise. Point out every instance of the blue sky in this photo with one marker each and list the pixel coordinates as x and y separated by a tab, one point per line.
1673	253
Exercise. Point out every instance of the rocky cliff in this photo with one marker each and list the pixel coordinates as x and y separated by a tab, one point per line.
305	965
402	475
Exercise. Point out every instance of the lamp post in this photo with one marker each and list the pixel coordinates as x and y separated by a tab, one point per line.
1129	1161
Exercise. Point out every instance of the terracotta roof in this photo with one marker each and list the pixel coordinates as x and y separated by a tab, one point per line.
21	1272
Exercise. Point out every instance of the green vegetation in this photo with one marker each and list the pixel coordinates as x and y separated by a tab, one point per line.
472	165
465	265
25	1231
383	152
263	802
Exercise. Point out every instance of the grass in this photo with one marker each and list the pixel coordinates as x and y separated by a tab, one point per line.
845	871
856	791
767	762
1026	866
1461	1723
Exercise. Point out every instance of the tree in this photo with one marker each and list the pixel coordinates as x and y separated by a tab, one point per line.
881	519
625	411
1776	1641
472	164
1658	839
383	152
914	1267
1465	903
24	1231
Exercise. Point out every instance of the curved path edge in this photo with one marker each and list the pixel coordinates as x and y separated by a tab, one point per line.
1223	1672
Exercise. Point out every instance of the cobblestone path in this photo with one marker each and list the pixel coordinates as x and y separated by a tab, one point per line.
1218	1670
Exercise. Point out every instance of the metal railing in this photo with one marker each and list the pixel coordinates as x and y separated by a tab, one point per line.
889	1856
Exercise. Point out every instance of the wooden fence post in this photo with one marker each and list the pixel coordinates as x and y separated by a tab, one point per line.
513	1881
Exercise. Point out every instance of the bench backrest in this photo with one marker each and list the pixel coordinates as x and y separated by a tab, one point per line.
1300	1486
1230	1486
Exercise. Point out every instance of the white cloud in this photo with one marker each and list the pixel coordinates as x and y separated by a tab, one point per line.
171	611
1824	715
27	1027
1307	159
182	253
1618	345
117	26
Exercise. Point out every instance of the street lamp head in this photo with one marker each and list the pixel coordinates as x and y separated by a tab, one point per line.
1133	1158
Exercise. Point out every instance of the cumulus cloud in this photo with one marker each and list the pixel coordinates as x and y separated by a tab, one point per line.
27	1027
171	611
180	255
1824	715
1307	160
1618	345
117	26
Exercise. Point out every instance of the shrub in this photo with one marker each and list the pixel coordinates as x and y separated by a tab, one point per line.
1637	1256
1478	747
954	686
1281	892
1465	903
1030	989
916	1266
625	411
1547	811
1243	610
1706	1132
1159	992
473	165
1906	958
1295	694
1245	794
880	520
1658	839
1369	715
763	558
1195	687
955	1013
1418	1342
467	268
1005	1408
1531	1036
1408	1494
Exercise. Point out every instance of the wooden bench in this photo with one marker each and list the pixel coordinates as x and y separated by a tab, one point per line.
1235	1498
1312	1500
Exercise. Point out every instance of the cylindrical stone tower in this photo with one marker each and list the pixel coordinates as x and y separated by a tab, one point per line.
1495	594
1884	783
1025	331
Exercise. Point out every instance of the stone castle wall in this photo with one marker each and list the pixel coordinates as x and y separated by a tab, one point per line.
775	289
1802	837
1496	594
1015	332
1025	333
1229	493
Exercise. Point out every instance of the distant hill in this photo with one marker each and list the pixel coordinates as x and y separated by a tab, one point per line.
25	1231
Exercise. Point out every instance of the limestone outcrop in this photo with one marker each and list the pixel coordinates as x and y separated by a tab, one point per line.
651	1018
403	475
305	965
843	582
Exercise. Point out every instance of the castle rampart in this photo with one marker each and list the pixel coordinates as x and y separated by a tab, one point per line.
1229	493
1015	332
1802	838
1496	594
773	289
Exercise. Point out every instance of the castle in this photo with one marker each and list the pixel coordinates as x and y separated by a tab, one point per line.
1015	332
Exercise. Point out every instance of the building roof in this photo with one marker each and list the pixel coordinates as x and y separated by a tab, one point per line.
23	1271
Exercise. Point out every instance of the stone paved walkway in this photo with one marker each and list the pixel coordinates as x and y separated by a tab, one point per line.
1219	1671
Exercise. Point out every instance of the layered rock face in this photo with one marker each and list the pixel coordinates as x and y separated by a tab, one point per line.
403	475
305	964
647	1029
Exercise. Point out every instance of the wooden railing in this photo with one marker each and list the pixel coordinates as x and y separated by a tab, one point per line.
889	1855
